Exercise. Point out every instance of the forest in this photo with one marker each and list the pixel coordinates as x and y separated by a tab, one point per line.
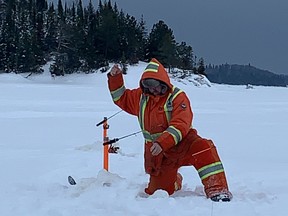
84	39
77	38
244	75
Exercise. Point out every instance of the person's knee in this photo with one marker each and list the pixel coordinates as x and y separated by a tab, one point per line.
165	182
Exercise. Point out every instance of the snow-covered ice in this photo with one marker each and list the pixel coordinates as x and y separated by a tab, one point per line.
48	132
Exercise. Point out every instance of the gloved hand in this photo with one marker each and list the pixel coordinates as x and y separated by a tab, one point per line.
155	149
115	70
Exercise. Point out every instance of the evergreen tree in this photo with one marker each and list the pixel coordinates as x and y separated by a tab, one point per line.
41	5
79	36
108	32
201	67
8	41
184	56
141	39
39	48
60	11
162	44
132	38
58	68
25	58
51	30
90	54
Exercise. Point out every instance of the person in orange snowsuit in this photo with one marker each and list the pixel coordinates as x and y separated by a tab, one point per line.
165	117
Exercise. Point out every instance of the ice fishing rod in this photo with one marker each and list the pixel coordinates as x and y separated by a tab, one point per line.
117	139
105	119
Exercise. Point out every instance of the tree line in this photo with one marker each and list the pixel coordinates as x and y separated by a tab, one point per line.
244	75
77	38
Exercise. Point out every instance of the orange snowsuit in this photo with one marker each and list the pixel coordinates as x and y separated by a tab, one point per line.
167	119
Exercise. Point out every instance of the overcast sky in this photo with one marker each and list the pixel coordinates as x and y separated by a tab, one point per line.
222	31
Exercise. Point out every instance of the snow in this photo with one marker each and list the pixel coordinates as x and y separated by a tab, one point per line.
48	132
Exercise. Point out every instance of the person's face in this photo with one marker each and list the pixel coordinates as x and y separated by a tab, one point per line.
153	85
155	90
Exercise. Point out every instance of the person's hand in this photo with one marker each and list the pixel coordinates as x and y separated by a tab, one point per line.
155	149
115	70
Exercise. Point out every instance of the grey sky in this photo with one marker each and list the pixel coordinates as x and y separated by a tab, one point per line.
222	31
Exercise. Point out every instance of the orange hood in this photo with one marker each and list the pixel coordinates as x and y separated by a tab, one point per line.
157	71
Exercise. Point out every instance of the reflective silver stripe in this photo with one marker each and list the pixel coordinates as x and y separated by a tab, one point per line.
210	169
150	137
176	134
118	93
176	92
168	107
152	67
147	136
